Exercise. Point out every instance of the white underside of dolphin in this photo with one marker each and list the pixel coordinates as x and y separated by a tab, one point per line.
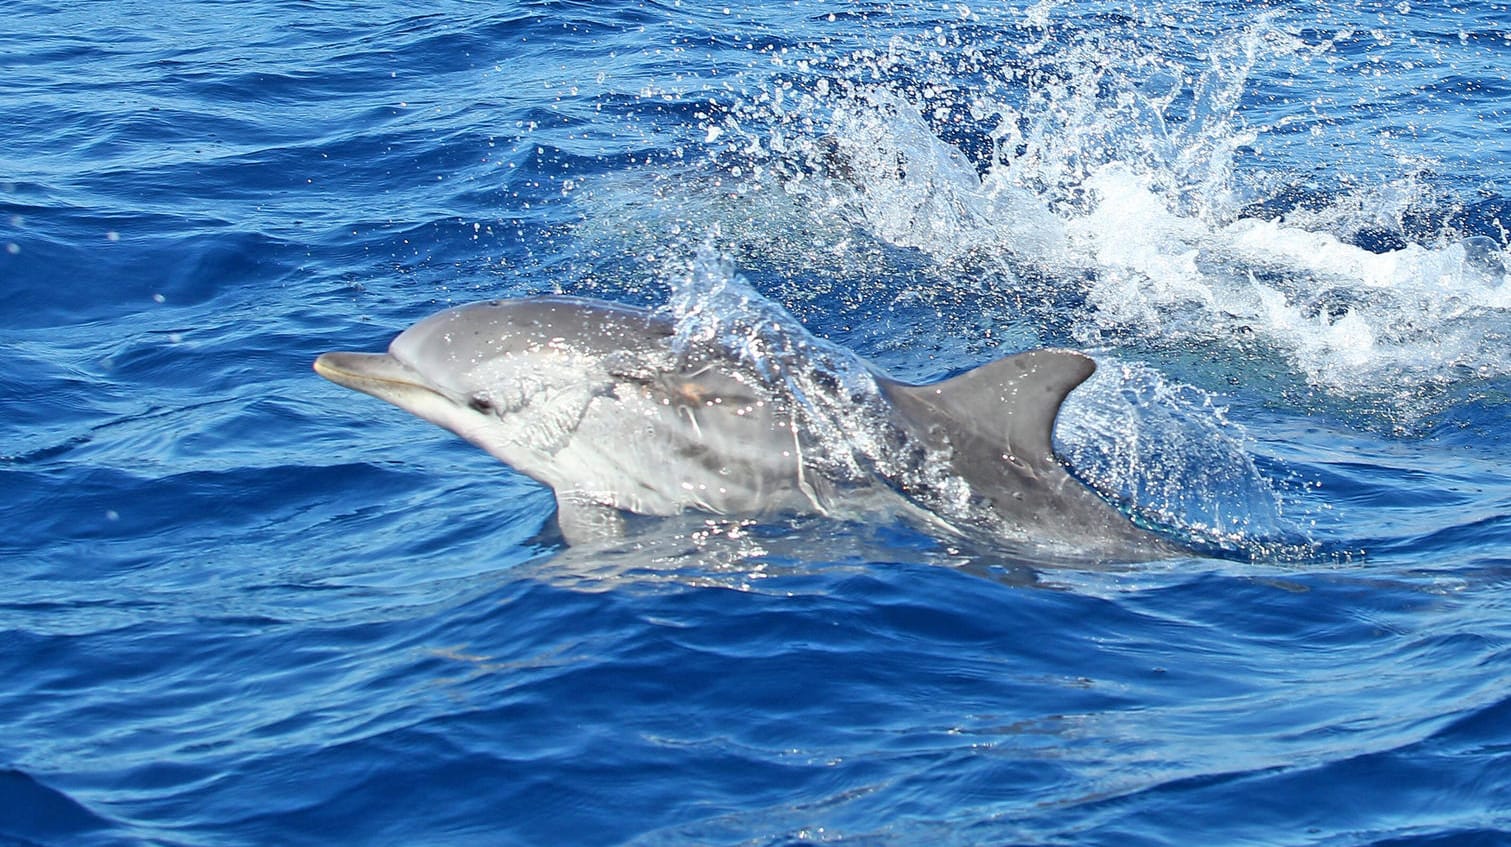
614	411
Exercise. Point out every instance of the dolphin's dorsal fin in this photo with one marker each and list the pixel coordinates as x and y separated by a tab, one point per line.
993	426
1001	410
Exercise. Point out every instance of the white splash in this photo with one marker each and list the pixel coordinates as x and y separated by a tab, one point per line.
1113	174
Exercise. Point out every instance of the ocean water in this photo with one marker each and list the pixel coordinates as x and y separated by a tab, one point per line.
242	605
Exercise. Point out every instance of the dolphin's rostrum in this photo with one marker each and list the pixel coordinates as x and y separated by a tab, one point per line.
616	412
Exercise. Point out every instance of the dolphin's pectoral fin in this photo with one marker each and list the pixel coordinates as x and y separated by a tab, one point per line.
583	518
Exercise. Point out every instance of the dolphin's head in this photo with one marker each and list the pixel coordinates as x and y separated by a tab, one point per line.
507	375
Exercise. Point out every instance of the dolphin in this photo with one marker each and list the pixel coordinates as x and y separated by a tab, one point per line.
610	408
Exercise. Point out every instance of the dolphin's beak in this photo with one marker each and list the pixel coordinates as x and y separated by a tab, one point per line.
389	379
378	374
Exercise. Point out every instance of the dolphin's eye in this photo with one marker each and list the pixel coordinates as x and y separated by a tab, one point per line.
479	403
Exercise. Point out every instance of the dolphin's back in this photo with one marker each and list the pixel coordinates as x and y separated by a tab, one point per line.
461	338
994	425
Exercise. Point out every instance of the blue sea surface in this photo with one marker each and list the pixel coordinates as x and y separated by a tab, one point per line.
244	606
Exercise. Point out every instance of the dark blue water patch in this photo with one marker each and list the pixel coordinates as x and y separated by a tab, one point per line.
797	676
1483	532
822	662
31	813
1472	835
69	277
101	505
1401	789
1481	737
51	397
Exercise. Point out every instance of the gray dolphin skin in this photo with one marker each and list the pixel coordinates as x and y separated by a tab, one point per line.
603	404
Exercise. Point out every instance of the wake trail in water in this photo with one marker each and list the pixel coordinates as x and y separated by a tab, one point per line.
1140	187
